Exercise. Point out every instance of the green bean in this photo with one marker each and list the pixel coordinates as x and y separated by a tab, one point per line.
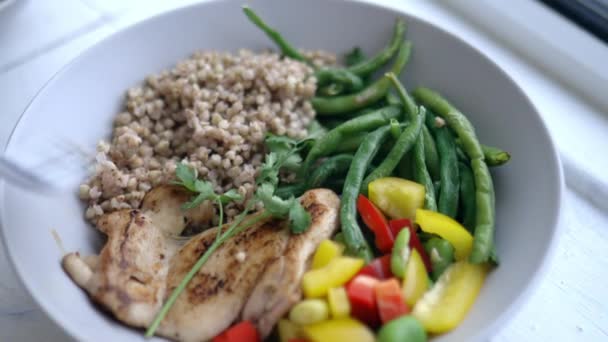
467	196
335	184
405	168
329	142
331	166
441	253
349	81
372	93
421	174
364	111
484	188
331	123
430	153
395	128
383	151
334	165
353	236
276	37
437	185
461	155
494	156
333	89
406	139
448	168
355	56
375	63
393	99
351	143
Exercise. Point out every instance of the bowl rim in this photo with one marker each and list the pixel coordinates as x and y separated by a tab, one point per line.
504	317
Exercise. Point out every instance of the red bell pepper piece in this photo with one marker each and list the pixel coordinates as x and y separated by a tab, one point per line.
243	331
390	301
362	298
375	220
379	268
397	225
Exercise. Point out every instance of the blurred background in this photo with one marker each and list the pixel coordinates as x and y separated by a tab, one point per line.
556	50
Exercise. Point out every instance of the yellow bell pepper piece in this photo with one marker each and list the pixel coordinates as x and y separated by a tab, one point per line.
447	228
339	306
288	330
443	307
416	281
316	283
327	251
343	329
396	197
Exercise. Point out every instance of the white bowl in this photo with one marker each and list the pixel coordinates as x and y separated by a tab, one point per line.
80	102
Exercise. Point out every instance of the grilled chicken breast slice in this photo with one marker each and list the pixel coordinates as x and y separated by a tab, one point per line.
279	287
129	276
255	275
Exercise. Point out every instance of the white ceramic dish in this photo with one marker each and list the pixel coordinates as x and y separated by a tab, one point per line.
80	101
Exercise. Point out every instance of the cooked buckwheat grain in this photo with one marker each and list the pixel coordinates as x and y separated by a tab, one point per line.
211	111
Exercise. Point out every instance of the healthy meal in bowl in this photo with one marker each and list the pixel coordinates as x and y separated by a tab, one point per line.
255	196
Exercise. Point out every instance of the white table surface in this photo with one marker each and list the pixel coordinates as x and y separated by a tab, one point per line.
571	301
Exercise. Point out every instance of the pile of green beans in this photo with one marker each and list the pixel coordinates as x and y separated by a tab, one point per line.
483	242
362	123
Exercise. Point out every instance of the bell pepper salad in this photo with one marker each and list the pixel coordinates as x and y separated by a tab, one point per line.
420	281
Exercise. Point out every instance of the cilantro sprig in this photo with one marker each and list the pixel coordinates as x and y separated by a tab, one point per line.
283	154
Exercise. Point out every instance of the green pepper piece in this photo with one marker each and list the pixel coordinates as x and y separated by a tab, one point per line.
404	328
441	253
400	253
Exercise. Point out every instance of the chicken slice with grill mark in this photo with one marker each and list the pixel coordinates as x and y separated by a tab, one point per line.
279	288
141	264
255	276
129	275
212	301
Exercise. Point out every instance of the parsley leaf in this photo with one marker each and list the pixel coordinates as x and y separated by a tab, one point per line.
230	195
299	218
269	172
205	188
186	176
195	201
284	153
286	149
